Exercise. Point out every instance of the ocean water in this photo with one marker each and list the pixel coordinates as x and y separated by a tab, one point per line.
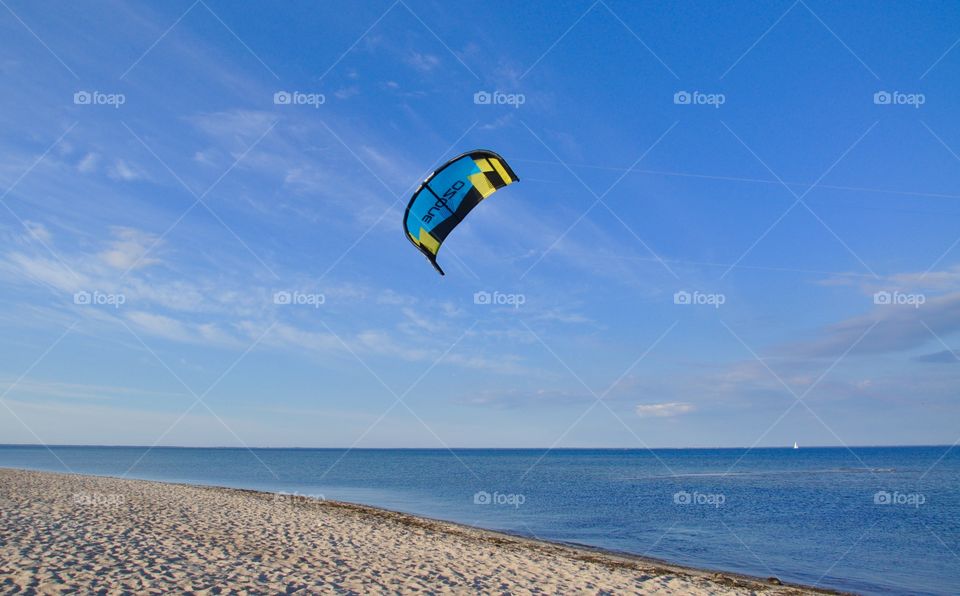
869	520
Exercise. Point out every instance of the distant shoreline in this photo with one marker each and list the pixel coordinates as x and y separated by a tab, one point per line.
193	537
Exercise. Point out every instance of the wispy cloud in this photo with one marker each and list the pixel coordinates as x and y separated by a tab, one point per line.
59	390
121	170
517	398
893	328
128	249
38	231
89	163
422	61
664	410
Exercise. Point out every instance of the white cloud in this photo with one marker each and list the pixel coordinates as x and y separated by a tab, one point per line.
234	125
562	316
513	398
207	158
946	280
416	322
37	231
423	62
347	92
886	329
932	281
664	410
121	170
161	326
88	163
499	122
53	389
128	249
383	344
42	270
287	336
506	364
393	298
178	330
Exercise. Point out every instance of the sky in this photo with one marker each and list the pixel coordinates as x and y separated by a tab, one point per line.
736	224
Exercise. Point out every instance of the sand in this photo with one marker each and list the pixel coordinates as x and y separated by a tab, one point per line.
91	535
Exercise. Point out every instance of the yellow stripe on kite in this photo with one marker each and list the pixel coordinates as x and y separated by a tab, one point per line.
484	165
500	170
482	184
429	241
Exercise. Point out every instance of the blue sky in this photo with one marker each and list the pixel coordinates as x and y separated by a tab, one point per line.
181	199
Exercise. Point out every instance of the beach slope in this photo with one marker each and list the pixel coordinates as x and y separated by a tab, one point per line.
82	534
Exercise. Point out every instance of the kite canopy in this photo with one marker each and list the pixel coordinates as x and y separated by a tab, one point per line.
449	194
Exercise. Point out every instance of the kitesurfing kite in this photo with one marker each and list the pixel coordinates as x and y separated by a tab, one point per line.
449	194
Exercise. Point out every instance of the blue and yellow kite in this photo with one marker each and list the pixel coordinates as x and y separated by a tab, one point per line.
449	194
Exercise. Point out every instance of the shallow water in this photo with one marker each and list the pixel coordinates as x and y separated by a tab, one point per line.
871	520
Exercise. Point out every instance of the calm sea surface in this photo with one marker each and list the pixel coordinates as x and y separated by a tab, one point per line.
870	520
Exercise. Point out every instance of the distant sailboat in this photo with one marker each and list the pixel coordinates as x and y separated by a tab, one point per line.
795	446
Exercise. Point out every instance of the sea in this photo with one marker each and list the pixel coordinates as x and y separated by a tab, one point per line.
869	520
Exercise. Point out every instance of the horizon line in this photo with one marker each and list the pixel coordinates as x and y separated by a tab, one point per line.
247	448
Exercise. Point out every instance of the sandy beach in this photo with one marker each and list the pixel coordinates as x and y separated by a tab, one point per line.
82	534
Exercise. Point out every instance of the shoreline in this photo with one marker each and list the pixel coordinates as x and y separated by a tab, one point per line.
111	507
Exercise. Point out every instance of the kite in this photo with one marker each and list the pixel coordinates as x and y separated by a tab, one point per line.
449	194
